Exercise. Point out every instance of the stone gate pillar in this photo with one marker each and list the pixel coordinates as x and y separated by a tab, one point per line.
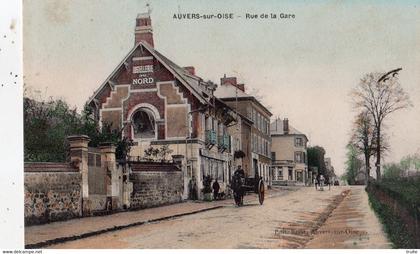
114	188
79	159
180	161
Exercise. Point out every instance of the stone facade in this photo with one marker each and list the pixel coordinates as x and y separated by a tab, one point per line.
53	192
154	188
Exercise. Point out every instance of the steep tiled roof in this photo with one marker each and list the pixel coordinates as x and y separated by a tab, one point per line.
192	82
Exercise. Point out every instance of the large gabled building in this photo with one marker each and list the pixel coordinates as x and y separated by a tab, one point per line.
156	102
254	140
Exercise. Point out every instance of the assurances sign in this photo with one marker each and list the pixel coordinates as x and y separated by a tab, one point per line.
144	74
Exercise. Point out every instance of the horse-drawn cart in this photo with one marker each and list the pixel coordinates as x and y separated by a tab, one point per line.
241	185
322	182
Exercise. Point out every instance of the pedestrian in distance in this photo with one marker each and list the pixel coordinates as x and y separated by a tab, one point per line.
321	182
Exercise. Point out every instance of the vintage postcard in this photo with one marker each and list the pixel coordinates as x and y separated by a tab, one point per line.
221	124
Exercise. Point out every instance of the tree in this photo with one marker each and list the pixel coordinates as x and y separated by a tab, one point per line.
47	123
46	126
393	171
110	134
363	138
401	169
316	158
364	141
164	151
416	161
380	95
353	164
151	153
410	162
156	154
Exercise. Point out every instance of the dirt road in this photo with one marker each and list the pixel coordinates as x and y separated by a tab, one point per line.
288	221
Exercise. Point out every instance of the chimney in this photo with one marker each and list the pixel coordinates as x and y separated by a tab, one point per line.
228	81
241	87
286	126
276	123
231	81
190	69
143	31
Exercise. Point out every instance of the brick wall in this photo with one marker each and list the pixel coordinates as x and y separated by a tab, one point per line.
52	192
154	188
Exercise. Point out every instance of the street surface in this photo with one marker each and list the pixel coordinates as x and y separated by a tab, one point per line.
336	218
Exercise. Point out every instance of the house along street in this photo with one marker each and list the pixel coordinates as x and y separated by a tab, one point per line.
306	218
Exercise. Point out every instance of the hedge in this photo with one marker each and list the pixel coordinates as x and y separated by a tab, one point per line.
405	190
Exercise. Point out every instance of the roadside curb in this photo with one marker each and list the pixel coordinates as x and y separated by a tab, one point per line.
114	228
57	240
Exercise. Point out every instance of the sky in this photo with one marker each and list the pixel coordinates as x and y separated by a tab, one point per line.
303	68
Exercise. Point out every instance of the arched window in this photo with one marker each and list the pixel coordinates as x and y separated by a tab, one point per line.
144	125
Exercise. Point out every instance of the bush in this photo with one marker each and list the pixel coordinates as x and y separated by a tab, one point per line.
405	190
394	227
47	124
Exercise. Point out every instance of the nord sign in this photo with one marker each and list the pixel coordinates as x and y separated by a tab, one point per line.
143	71
142	81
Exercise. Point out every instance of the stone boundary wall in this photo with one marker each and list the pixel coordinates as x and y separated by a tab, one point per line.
154	166
48	167
92	183
154	188
52	192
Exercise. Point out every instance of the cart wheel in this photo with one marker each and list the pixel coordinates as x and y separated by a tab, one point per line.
261	191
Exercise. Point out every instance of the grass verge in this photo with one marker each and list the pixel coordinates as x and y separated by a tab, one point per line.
394	227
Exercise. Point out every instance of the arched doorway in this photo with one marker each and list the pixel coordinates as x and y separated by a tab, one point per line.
143	124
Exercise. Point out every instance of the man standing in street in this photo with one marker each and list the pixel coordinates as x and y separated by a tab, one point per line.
216	188
240	171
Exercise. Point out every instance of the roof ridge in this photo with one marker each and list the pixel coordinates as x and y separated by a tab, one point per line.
179	72
177	69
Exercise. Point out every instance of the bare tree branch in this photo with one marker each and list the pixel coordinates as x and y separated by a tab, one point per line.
379	95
